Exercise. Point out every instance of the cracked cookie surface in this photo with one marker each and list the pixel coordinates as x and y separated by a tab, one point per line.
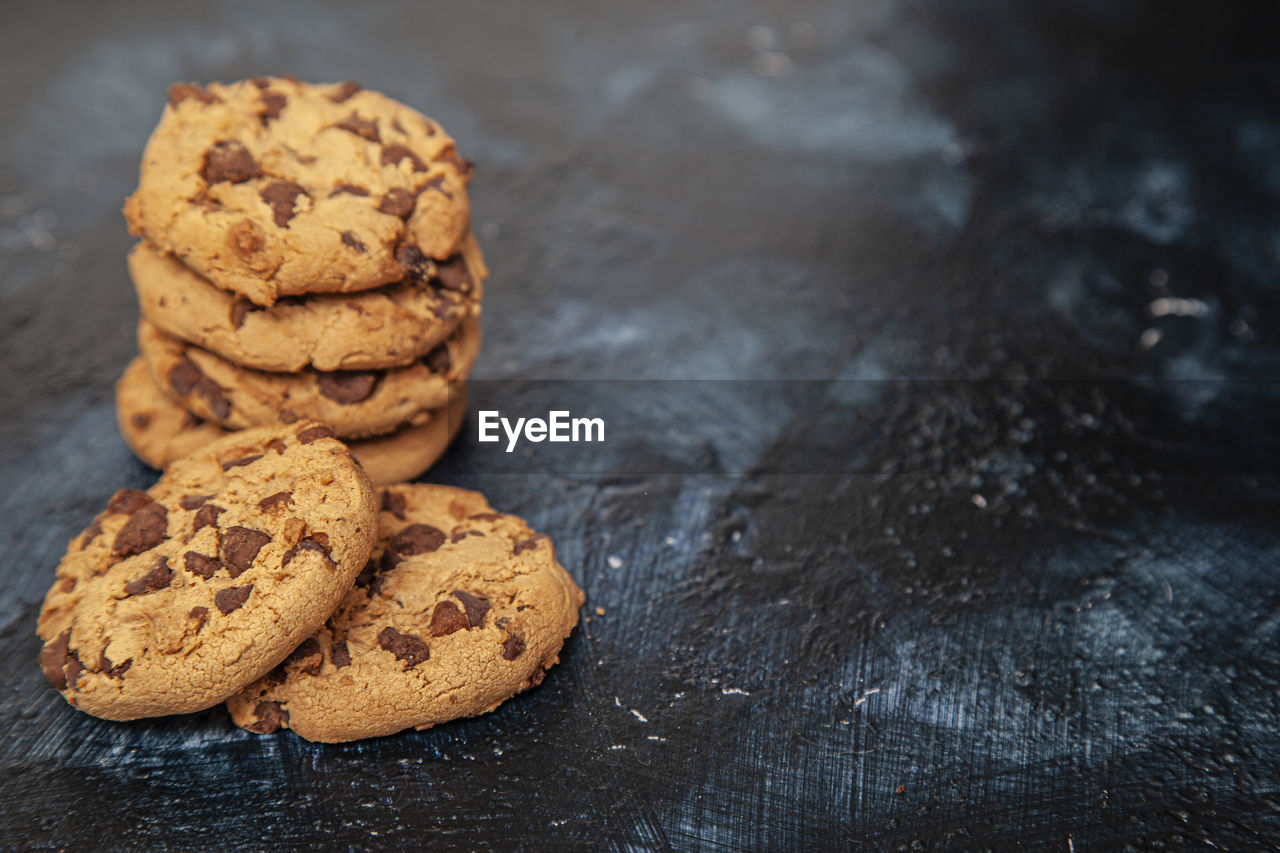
271	186
459	608
356	403
389	326
160	431
176	597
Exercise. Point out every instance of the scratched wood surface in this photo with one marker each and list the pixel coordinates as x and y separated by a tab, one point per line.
995	568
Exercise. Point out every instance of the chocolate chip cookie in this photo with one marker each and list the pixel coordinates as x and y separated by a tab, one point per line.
356	403
271	186
179	596
460	608
390	326
159	431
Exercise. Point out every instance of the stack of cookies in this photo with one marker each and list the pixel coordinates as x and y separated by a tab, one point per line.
306	254
265	571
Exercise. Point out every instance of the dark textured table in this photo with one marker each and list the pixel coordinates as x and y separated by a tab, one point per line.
994	567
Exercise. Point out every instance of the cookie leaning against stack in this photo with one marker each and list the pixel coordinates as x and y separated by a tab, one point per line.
306	254
177	597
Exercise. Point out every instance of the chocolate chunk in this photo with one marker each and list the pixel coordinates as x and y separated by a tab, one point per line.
315	542
278	445
128	501
438	361
513	647
475	606
278	675
350	240
367	574
92	532
184	376
179	92
107	668
206	517
345	90
271	717
232	598
394	153
145	529
348	386
453	275
239	548
391	503
214	396
309	648
53	657
397	202
380	578
458	534
464	167
447	618
362	127
200	565
436	183
417	539
414	539
341	655
261	82
442	307
191	502
141	420
273	501
416	265
73	668
281	196
272	104
229	161
352	189
153	581
243	460
486	516
406	647
314	433
201	615
526	544
241	309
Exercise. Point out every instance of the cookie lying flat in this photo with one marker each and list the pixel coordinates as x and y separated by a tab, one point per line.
459	608
179	596
356	404
387	327
270	187
159	431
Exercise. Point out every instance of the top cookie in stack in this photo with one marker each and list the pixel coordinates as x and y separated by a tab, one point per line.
306	253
